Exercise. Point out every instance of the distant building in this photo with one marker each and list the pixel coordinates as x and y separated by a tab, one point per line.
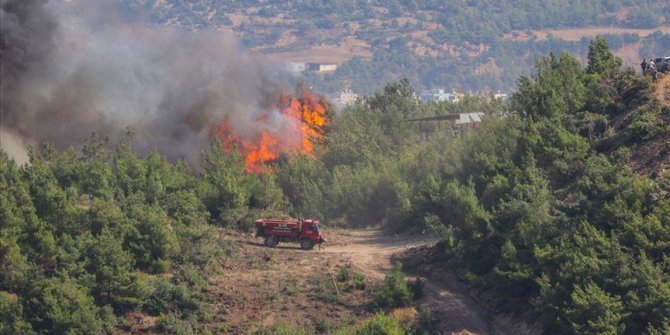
321	67
500	96
439	95
472	119
295	67
455	97
459	122
432	95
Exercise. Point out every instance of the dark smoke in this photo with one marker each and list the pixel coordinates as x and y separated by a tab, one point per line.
69	69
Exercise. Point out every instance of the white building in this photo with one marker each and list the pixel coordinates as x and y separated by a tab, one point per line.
295	67
500	96
322	67
439	95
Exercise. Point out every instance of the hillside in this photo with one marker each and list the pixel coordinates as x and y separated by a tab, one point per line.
548	213
640	133
653	156
662	89
432	43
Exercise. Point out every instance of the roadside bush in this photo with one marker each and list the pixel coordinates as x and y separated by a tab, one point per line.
322	288
283	328
417	288
414	321
171	324
358	281
380	324
424	326
394	291
406	317
352	280
323	326
344	274
401	321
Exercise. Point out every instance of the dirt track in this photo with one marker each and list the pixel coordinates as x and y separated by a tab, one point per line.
371	251
260	286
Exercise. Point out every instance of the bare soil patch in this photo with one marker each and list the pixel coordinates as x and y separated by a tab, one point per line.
458	308
262	286
576	34
349	48
630	53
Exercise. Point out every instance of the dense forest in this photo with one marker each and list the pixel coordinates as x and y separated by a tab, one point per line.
539	206
462	45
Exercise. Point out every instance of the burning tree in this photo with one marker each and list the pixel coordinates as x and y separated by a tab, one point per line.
289	123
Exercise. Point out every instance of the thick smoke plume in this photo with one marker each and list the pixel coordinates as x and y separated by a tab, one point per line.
70	68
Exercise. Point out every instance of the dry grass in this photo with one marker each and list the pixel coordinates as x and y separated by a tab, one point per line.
350	47
577	34
262	287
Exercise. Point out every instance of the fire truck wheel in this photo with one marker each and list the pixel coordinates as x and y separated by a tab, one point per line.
306	244
271	241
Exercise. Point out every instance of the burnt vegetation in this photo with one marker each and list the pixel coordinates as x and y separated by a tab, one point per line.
539	206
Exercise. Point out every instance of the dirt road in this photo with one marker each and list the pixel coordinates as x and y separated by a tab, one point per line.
262	286
371	251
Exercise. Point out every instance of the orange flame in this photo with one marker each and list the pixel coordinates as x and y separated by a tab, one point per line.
303	119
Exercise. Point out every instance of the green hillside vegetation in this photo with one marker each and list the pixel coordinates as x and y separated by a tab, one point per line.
88	236
474	20
452	44
538	206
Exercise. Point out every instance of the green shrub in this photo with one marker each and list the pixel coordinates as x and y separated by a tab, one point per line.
380	324
322	325
168	296
417	286
645	125
63	307
322	288
171	324
344	274
394	291
352	280
358	281
424	326
161	265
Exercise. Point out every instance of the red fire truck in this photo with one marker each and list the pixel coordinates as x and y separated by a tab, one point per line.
306	232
